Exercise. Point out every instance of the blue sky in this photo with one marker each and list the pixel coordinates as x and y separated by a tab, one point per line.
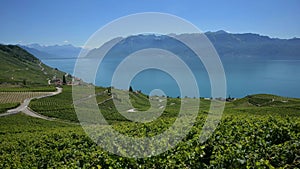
68	21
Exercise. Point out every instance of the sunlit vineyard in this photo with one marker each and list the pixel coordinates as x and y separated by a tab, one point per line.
61	105
17	97
248	136
27	89
240	141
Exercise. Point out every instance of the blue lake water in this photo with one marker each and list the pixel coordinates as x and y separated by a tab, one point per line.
244	77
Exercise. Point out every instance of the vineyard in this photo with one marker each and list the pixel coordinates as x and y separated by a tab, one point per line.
28	89
258	131
239	142
59	106
6	106
18	97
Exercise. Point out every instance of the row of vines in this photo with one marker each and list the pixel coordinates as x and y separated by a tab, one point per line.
239	142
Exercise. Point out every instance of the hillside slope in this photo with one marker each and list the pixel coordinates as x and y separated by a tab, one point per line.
18	67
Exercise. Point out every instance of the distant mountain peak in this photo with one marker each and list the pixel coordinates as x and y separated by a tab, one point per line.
217	32
221	32
36	45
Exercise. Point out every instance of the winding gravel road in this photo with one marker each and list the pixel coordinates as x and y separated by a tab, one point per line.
26	110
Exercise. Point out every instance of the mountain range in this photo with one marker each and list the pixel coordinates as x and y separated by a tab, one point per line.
52	52
252	45
228	46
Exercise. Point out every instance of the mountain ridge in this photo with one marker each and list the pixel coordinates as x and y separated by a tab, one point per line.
52	51
228	45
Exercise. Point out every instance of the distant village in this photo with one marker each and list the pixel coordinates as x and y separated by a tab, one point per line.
64	80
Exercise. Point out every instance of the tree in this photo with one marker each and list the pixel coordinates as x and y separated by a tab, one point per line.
130	89
64	80
109	91
24	82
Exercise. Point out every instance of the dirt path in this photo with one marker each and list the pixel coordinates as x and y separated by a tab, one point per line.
106	100
42	68
90	96
26	110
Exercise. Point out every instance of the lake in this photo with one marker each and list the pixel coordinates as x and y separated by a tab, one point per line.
244	77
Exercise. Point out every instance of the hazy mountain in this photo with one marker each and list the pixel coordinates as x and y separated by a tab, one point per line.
39	54
254	46
126	46
50	52
228	45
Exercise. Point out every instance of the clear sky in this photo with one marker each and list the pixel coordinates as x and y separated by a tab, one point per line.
74	21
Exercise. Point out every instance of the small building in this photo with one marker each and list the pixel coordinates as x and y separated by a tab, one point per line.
57	82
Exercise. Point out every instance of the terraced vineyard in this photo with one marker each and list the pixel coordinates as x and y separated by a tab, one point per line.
27	89
12	97
265	105
59	106
18	97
